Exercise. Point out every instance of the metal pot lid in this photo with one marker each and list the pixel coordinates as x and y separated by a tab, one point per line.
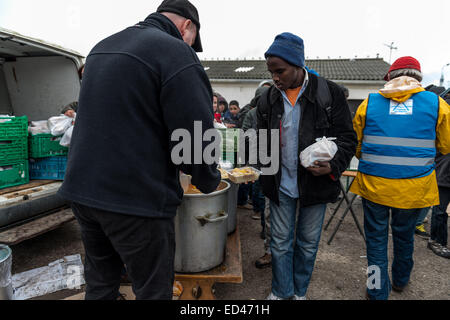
5	252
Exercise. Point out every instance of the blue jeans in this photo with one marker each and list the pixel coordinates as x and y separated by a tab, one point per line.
293	263
376	227
422	215
439	218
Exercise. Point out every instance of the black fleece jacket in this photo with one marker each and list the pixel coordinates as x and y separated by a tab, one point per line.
315	123
139	85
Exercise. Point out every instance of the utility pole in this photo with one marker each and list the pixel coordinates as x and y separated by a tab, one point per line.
391	47
441	82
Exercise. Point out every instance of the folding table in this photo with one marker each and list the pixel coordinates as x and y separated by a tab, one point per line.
349	174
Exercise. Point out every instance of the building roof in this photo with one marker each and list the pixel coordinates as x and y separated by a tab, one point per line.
370	69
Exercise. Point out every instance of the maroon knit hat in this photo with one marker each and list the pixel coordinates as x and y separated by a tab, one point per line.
404	63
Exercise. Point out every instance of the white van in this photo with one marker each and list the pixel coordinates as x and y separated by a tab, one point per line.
37	79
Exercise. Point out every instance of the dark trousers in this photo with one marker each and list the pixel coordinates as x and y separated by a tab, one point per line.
439	218
145	246
258	200
243	193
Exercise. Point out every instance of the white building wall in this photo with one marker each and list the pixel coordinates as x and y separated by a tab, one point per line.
244	92
360	91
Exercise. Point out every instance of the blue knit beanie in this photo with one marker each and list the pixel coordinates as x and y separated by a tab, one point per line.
288	47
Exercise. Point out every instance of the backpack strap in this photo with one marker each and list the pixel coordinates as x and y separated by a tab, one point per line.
324	96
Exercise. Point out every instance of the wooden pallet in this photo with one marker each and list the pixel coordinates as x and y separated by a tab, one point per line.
198	286
36	227
32	184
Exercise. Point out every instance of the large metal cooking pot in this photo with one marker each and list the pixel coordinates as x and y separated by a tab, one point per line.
201	230
232	207
6	289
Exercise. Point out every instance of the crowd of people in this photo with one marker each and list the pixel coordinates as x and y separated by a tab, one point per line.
126	212
396	175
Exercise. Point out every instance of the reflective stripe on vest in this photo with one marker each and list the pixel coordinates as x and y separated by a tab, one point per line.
398	161
402	142
399	138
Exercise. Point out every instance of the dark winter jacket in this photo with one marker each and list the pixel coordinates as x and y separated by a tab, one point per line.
443	170
252	104
442	162
229	118
250	121
315	123
139	86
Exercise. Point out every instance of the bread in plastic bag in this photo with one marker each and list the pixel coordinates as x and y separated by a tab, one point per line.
58	125
65	140
323	150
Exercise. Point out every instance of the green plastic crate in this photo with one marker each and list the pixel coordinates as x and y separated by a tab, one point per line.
14	174
45	145
13	127
14	149
230	139
229	156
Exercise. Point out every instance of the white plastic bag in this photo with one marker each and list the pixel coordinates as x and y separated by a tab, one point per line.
323	150
218	125
65	140
58	125
37	127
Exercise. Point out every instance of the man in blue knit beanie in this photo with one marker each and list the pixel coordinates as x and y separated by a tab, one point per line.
289	47
303	107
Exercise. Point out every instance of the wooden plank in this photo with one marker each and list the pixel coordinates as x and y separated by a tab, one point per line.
125	290
230	271
198	290
36	227
32	184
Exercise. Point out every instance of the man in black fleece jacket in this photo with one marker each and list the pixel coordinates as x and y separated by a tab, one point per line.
139	85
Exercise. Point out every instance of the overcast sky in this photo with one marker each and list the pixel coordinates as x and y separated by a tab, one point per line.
246	28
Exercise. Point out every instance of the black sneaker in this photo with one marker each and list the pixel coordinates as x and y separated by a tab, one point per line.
439	249
421	232
264	262
262	235
398	289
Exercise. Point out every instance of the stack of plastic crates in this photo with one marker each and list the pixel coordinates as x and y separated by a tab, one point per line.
48	159
13	151
229	145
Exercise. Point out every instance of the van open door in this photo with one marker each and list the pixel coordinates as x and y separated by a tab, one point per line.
36	80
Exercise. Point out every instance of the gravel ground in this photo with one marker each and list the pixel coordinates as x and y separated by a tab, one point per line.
339	272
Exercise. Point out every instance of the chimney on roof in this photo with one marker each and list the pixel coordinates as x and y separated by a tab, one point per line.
378	55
